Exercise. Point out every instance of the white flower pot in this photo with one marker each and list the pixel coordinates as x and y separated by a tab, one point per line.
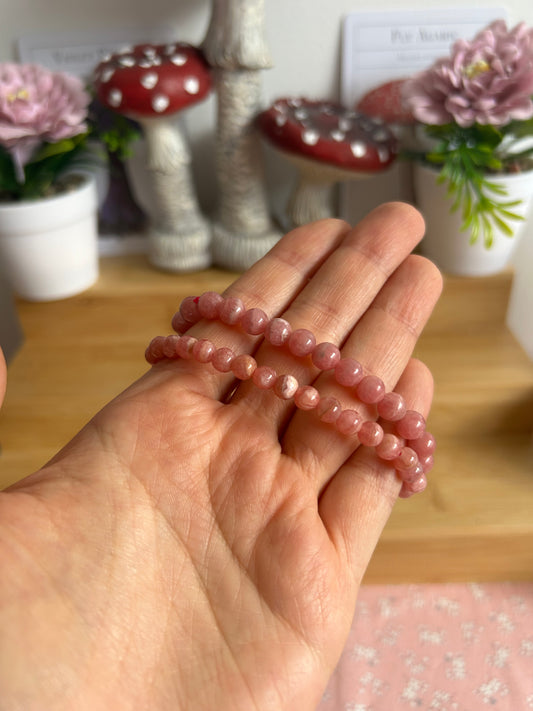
449	247
49	247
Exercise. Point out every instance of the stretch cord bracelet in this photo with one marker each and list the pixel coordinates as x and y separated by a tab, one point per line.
410	449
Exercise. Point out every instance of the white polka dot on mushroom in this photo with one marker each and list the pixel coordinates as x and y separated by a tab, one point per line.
127	61
310	138
160	103
345	124
107	74
358	149
179	59
338	135
191	85
114	97
149	80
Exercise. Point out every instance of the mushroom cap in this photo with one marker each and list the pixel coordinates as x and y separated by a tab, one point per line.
329	133
386	102
153	80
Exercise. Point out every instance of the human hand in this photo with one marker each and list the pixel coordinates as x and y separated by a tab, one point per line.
201	547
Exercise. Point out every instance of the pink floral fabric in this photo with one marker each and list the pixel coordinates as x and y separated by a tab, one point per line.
453	647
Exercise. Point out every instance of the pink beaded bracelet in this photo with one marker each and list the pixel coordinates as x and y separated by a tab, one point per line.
412	458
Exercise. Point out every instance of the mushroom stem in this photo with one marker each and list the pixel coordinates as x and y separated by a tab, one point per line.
310	200
179	235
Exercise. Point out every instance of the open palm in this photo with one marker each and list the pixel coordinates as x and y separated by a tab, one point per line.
200	545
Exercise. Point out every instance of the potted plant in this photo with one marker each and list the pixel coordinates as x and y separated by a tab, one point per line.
48	203
474	172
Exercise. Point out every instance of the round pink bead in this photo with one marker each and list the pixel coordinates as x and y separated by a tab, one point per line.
410	475
392	407
189	309
407	459
203	350
325	356
349	422
154	352
301	342
306	397
209	304
348	372
184	347
412	425
371	389
285	386
179	324
423	445
278	331
243	366
231	310
222	359
413	487
329	409
169	347
370	434
427	463
264	377
390	447
254	321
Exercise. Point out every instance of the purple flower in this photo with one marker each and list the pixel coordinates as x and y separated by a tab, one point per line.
486	81
36	106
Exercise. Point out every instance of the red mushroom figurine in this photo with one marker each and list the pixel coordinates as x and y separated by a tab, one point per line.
328	144
152	83
385	103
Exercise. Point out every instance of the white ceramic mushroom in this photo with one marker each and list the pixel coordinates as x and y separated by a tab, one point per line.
151	84
328	144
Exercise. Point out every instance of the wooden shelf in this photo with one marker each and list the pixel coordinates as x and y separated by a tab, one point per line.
475	520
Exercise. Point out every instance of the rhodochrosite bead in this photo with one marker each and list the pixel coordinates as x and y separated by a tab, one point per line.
278	331
169	346
264	377
348	372
390	447
412	425
285	386
349	422
179	324
184	347
415	487
407	459
189	309
222	358
231	310
203	350
423	445
254	321
306	397
392	407
371	389
370	434
243	366
209	304
325	356
329	409
301	342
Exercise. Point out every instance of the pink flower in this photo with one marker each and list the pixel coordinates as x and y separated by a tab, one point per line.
486	81
36	106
